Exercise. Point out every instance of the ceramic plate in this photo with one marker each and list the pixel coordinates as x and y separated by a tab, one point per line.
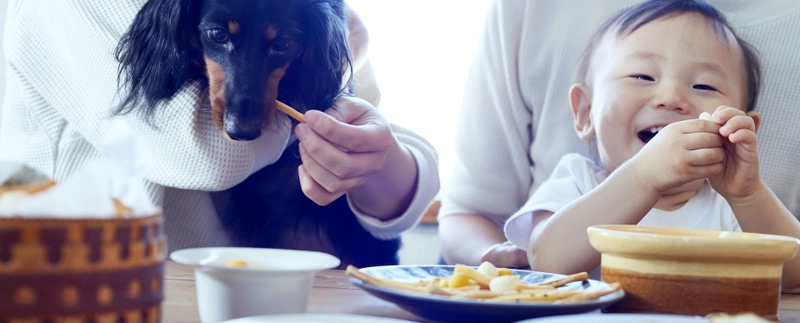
619	318
441	308
316	318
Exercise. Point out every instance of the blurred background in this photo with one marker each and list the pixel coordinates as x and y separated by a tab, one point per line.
421	51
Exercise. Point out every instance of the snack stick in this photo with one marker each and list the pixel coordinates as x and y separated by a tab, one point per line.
591	295
478	294
528	288
468	288
436	290
121	209
353	272
29	188
473	274
290	111
538	296
582	276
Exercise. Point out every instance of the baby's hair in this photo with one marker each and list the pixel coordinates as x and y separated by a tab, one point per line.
629	20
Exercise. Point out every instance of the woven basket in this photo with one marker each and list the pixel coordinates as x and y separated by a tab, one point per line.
82	270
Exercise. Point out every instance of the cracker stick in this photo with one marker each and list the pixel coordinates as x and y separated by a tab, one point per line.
352	271
590	295
583	276
477	294
538	296
528	288
290	111
473	274
436	290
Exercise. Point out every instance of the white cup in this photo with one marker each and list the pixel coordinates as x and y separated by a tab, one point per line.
276	281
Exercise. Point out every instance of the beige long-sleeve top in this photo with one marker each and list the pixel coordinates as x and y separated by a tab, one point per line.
515	123
62	83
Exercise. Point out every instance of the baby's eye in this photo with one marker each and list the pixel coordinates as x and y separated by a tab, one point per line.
643	77
704	87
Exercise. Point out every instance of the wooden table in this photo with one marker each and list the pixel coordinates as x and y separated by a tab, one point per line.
333	293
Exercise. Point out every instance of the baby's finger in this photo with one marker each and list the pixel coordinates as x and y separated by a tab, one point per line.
699	140
724	113
313	190
695	126
736	123
745	137
705	156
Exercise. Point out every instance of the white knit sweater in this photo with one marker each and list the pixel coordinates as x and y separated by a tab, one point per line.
61	85
516	124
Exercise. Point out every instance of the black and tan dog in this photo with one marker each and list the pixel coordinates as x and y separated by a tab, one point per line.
250	53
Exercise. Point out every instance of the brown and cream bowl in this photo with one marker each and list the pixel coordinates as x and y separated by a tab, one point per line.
691	271
81	270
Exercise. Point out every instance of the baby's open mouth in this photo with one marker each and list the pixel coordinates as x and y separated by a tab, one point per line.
648	134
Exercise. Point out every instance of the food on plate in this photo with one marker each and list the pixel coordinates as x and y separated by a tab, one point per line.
470	283
237	263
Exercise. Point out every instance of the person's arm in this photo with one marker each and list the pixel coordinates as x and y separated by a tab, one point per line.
350	149
682	153
559	243
462	234
492	178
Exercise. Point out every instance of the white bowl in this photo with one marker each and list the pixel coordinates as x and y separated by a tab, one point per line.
276	281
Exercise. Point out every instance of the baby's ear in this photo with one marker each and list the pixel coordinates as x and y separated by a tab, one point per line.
756	118
581	102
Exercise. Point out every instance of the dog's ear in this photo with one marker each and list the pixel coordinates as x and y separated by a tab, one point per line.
320	73
158	54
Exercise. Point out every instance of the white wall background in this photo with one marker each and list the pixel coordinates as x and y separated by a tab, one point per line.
421	51
3	9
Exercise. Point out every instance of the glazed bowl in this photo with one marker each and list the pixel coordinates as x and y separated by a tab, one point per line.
274	281
82	270
691	271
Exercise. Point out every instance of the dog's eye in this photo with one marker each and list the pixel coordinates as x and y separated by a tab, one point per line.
218	35
280	45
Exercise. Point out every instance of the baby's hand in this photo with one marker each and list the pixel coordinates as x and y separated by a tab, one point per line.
740	176
681	153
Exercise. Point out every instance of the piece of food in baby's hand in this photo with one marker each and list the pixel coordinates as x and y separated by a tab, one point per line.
705	116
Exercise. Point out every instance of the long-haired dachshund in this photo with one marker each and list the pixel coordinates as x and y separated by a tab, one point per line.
250	53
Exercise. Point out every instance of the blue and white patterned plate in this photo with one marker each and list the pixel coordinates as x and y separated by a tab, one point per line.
445	309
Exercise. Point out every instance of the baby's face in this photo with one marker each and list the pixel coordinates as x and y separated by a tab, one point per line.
668	70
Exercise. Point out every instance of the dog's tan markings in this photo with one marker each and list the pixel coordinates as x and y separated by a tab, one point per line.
216	92
272	92
233	27
271	32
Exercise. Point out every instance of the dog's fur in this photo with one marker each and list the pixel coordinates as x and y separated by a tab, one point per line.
248	53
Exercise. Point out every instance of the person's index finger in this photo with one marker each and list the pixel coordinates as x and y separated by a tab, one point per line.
365	137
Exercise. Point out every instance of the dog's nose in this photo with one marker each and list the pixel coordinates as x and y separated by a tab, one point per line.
243	118
242	130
